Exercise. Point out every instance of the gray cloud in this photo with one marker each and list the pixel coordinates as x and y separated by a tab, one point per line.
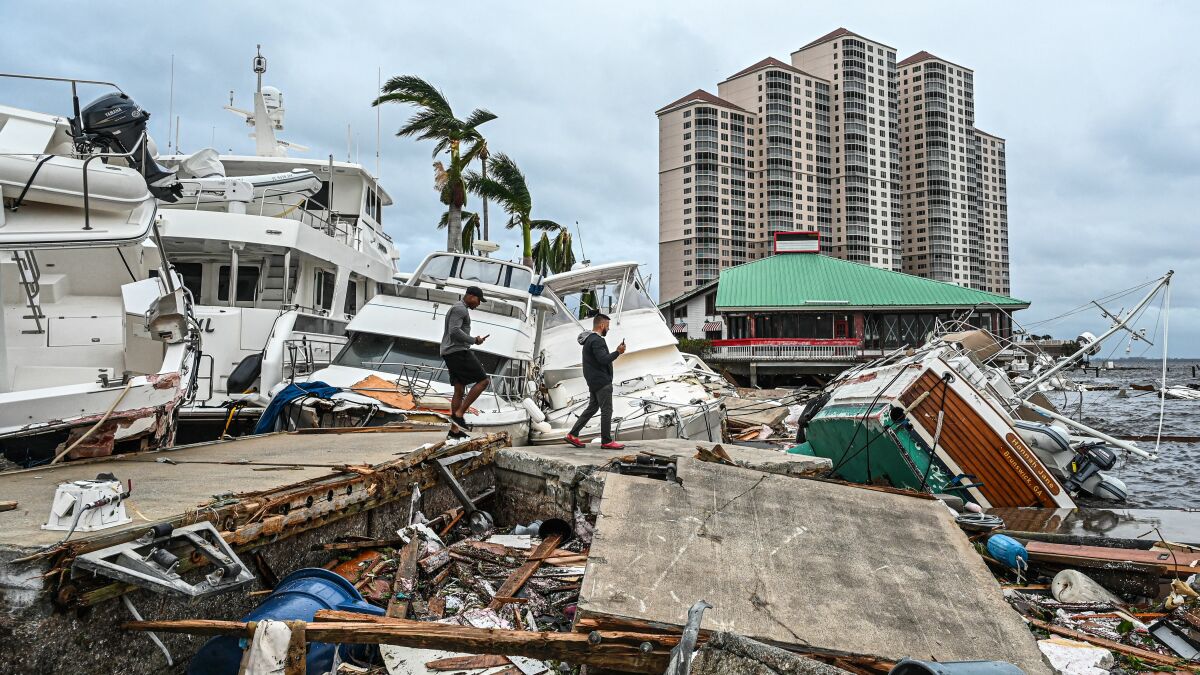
1096	101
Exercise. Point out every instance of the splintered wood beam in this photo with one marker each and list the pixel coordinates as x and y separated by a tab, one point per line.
517	579
1143	654
468	662
629	652
406	579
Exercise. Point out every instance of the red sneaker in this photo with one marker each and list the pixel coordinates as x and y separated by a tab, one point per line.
575	441
613	445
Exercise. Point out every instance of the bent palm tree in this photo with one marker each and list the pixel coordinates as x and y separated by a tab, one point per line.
470	228
551	256
435	121
507	187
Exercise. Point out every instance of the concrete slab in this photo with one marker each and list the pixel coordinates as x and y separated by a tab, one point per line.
799	562
556	480
162	491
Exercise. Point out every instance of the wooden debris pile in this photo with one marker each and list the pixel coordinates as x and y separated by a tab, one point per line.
1142	603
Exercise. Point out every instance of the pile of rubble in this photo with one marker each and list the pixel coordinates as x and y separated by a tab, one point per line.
1100	607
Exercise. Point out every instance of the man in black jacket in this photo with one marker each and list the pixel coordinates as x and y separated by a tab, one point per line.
598	371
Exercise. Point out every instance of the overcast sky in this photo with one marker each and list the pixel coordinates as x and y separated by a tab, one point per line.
1098	102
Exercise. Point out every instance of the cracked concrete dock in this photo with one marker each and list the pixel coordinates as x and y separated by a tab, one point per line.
800	562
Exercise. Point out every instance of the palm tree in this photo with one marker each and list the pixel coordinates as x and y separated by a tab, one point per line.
435	121
470	227
551	256
507	187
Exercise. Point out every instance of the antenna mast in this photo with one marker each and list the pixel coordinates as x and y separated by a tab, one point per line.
378	88
171	105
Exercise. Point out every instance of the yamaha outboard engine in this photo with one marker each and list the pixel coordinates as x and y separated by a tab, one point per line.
1090	459
115	123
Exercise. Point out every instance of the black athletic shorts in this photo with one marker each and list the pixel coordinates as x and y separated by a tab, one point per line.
464	367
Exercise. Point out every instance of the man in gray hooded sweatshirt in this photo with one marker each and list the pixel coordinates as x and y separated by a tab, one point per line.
598	371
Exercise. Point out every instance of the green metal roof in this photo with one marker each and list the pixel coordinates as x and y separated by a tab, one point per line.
819	281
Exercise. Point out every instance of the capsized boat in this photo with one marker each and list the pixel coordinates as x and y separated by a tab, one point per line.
658	392
942	418
926	422
99	341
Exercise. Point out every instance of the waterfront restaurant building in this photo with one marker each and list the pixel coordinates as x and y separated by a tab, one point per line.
799	301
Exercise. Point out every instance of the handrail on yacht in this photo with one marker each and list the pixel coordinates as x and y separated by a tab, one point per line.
72	80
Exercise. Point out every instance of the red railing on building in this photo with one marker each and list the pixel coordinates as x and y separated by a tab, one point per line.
807	342
785	349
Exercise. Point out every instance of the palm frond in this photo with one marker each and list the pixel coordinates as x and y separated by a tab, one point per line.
478	116
548	225
414	90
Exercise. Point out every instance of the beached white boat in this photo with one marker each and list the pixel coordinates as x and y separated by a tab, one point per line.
99	343
278	253
658	391
391	371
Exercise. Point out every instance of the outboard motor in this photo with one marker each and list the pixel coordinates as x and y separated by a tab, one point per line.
1090	459
115	123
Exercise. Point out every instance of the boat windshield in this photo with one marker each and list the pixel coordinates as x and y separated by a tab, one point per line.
602	297
398	355
491	272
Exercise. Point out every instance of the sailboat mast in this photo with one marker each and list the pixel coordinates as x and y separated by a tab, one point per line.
1032	385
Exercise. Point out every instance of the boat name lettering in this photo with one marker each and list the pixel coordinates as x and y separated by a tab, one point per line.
1029	459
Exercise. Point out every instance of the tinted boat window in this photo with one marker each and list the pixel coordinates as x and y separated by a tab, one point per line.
393	354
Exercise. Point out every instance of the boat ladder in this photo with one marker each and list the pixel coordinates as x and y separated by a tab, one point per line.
31	276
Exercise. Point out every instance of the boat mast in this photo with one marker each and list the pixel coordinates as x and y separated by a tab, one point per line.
1119	325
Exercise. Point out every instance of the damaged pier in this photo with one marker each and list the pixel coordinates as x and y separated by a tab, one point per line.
795	566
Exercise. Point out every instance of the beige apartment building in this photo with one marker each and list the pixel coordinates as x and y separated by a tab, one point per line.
817	144
993	211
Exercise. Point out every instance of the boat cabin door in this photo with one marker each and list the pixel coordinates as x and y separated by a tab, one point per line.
841	329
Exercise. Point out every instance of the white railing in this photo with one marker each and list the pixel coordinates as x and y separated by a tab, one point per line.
783	353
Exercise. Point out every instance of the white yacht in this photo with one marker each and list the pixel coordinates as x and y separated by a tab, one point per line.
391	369
99	346
278	254
658	391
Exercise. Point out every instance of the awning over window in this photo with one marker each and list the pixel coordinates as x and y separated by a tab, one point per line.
679	328
712	325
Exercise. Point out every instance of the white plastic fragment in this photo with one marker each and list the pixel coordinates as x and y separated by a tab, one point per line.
1071	657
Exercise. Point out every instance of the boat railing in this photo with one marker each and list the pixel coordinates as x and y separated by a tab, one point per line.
305	355
420	379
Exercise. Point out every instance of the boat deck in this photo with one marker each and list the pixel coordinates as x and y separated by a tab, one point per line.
164	490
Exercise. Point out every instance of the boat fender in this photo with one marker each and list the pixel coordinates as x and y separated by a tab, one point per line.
1075	586
535	413
543	427
1008	551
242	378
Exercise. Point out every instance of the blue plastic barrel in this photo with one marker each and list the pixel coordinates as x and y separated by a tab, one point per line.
1008	551
297	598
915	667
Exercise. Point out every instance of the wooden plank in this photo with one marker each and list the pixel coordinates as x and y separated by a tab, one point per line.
394	542
295	662
861	662
1143	654
468	662
436	561
517	579
629	652
406	580
1177	562
8	506
437	607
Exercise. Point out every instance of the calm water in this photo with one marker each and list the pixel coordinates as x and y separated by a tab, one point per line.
1172	481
